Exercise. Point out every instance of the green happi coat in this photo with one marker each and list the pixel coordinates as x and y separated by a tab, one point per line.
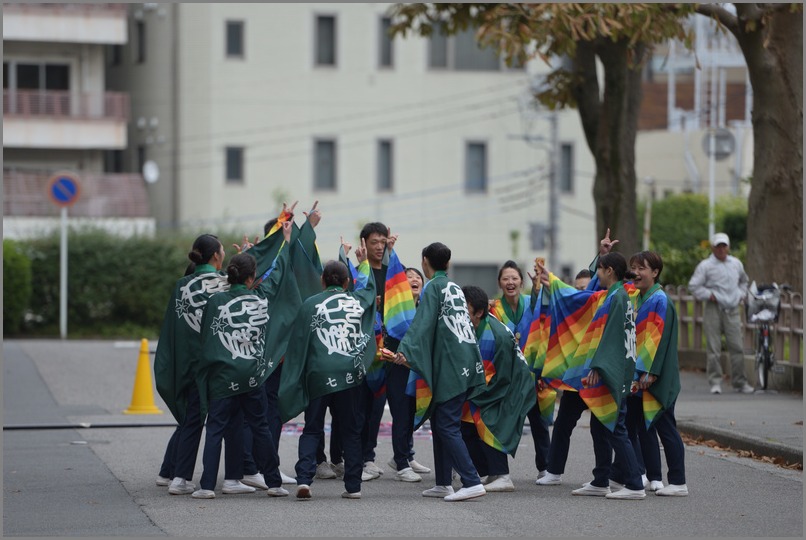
245	332
331	346
179	345
440	345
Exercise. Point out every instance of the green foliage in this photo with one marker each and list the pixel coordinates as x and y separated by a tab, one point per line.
679	231
117	287
16	287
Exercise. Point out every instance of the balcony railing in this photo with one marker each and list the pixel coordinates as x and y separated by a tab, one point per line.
65	104
103	195
67	9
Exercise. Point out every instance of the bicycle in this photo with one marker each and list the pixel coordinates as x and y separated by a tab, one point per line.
762	307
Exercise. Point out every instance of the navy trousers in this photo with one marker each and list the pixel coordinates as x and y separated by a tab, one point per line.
540	436
571	408
606	443
272	388
450	451
401	406
487	460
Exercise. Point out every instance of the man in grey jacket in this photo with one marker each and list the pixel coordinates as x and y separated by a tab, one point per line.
721	282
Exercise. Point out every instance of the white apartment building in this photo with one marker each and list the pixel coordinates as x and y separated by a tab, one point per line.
59	117
243	106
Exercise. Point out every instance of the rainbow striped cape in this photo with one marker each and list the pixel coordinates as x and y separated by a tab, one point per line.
398	300
580	339
531	332
656	349
499	409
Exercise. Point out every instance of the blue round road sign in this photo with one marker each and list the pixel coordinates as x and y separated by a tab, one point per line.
63	189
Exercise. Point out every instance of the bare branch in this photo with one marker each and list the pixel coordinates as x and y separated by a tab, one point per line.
727	19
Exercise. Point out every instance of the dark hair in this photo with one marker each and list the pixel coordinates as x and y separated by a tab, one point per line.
422	277
477	299
438	255
204	248
269	224
617	262
651	259
584	273
335	273
241	267
374	227
191	268
510	264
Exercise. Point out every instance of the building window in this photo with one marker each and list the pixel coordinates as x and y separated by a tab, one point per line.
234	30
385	166
566	176
141	42
325	40
115	55
461	52
385	47
234	158
113	161
324	165
36	76
141	158
476	167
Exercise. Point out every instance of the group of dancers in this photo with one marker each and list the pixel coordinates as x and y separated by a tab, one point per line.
279	333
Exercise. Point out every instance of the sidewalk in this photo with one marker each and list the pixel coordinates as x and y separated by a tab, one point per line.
767	423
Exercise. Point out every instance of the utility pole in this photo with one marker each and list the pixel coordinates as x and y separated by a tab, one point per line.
553	188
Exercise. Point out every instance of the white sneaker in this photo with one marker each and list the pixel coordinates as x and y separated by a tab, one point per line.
438	491
673	490
338	468
591	491
162	481
304	492
550	479
324	472
487	479
655	485
254	480
407	475
348	495
645	481
367	476
500	484
716	389
746	389
278	492
370	467
287	479
615	486
467	493
232	487
180	486
203	494
541	474
418	467
627	494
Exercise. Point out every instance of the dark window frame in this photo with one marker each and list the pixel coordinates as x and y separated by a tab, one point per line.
469	182
385	182
319	181
229	26
234	164
319	59
386	45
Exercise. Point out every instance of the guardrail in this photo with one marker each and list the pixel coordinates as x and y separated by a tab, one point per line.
787	334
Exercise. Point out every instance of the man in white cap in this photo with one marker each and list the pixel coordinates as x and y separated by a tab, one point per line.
721	282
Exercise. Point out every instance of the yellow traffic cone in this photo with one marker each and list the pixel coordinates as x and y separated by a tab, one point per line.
143	394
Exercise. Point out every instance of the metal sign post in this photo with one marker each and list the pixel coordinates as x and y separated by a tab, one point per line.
63	190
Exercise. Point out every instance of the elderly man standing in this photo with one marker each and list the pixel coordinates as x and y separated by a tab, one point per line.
721	282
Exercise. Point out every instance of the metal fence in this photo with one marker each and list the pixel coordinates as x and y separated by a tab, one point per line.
66	104
787	334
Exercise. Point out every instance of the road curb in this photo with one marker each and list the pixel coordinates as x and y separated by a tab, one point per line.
736	441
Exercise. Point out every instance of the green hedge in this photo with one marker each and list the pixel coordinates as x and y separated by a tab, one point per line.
117	287
16	287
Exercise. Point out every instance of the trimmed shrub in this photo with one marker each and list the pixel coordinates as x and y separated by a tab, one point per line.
16	287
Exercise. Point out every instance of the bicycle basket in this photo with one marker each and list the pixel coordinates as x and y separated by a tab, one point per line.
763	302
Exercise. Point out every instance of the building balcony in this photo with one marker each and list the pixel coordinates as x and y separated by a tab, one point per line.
65	23
63	119
25	194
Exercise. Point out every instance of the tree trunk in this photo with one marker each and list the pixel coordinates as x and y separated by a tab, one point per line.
775	216
610	126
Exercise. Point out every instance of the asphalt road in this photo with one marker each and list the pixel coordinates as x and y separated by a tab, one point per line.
61	480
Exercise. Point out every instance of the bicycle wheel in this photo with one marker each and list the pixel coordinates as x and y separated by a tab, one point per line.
763	362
